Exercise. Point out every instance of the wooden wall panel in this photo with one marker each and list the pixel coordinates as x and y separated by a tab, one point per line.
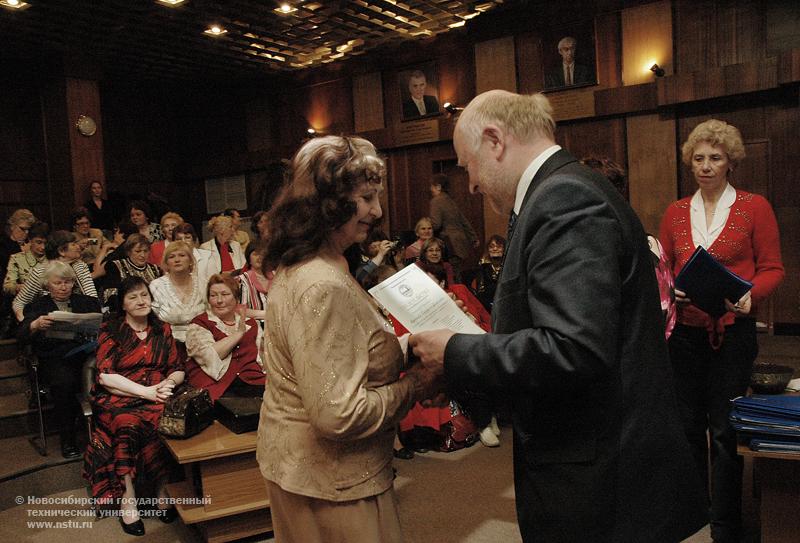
607	38
495	68
368	102
495	65
695	35
529	63
604	137
741	32
652	163
783	26
646	39
83	98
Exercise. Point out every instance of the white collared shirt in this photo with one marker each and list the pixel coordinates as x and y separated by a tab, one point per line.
420	103
701	233
529	173
569	73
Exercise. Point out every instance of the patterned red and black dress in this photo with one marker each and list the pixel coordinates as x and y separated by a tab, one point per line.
125	437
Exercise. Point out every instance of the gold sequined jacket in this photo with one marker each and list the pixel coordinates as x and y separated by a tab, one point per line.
333	396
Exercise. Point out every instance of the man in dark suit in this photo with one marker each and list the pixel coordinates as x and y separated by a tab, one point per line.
569	72
577	343
420	104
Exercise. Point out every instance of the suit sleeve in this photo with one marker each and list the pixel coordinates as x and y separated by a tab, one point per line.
565	311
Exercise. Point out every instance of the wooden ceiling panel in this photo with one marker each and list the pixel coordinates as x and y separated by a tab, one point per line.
140	36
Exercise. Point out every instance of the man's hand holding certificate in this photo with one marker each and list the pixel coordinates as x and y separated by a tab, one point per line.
427	311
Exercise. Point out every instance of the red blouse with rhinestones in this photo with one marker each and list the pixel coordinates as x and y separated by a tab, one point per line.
749	246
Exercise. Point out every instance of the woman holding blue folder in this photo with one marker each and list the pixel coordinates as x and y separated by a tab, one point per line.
712	356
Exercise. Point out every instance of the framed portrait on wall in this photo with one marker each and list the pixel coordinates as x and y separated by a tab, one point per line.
569	57
419	91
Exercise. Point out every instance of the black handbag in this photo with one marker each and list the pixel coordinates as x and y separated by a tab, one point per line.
187	413
239	415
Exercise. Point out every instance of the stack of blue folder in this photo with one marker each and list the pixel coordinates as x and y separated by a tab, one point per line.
768	423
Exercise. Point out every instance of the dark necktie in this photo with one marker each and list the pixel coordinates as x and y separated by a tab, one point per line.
512	222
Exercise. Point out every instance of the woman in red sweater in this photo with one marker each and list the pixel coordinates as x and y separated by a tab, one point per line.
712	357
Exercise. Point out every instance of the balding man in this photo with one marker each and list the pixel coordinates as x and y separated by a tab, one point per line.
578	343
569	72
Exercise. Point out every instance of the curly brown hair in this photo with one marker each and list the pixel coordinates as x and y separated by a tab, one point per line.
318	199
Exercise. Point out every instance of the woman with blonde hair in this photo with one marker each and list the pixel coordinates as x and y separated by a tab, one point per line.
424	231
178	295
169	222
712	355
334	393
226	253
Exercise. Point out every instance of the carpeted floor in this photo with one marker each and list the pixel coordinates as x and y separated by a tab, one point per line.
461	497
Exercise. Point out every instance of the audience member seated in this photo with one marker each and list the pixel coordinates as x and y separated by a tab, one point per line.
113	250
424	231
15	241
60	354
226	254
485	282
140	215
260	225
21	264
63	247
100	213
377	250
90	239
135	264
185	232
178	295
450	428
254	283
224	345
169	222
138	368
240	236
433	253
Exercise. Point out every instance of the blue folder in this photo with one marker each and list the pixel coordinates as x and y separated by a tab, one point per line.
708	283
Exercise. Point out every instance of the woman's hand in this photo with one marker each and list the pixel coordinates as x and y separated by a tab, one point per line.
42	323
164	390
151	394
741	307
681	298
241	310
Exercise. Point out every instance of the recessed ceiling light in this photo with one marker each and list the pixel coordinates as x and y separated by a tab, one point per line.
285	8
170	3
14	4
215	30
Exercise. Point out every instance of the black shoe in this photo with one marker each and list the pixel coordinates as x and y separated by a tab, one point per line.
168	516
70	451
404	454
134	528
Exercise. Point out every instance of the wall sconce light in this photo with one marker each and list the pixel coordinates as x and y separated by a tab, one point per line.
311	132
14	4
451	108
658	70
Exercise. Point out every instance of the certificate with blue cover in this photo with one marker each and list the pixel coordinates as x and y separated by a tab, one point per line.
708	283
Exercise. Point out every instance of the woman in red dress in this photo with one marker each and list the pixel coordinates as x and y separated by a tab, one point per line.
138	367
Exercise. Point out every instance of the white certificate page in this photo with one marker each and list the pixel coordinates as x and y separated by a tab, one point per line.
420	304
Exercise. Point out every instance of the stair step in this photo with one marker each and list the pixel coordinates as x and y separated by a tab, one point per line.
16	418
10	368
8	348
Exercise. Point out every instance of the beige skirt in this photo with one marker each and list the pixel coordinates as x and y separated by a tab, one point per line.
302	519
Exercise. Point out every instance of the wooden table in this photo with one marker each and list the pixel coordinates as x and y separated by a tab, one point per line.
777	476
222	473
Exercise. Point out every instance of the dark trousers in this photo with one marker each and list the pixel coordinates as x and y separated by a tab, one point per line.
706	380
63	377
